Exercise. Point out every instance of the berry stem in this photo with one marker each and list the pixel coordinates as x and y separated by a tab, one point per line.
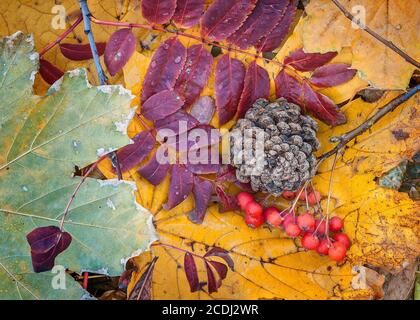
329	193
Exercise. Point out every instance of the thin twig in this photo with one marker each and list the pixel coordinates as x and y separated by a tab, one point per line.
389	44
329	193
88	31
349	136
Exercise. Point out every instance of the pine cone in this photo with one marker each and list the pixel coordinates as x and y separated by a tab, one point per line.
289	140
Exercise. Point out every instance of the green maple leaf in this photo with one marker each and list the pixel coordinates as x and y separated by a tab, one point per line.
42	139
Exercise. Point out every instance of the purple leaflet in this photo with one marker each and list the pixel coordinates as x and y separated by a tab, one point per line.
175	124
257	85
227	202
332	75
191	272
229	82
197	138
195	74
46	244
202	191
143	288
164	69
227	173
203	109
49	72
180	187
211	279
161	105
322	107
276	36
308	61
158	11
119	49
223	18
221	270
188	12
289	88
200	161
80	52
264	18
132	154
153	171
218	252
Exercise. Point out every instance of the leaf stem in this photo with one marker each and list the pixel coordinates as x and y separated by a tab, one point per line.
378	37
160	244
60	38
88	31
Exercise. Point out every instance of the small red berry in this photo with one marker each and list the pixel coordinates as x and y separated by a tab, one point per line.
310	241
302	196
336	224
244	198
254	209
343	238
292	230
314	197
254	221
306	222
273	216
289	218
288	195
320	227
337	251
323	247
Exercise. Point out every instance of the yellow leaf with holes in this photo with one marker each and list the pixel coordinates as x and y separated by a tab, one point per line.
327	29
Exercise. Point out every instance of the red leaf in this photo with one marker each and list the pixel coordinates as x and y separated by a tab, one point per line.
202	163
176	124
257	85
180	186
195	74
191	272
223	18
203	109
218	252
211	280
332	75
161	105
188	12
227	202
158	11
262	20
229	82
164	69
322	107
276	36
46	244
119	49
132	154
308	61
80	52
153	171
49	72
202	191
221	270
289	88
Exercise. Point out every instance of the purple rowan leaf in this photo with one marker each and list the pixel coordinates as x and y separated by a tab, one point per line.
195	74
229	82
164	69
257	85
202	191
191	272
289	88
200	160
227	202
199	137
221	270
302	61
161	105
188	12
223	18
275	36
180	187
153	171
211	279
119	49
49	72
80	52
176	124
203	109
46	244
263	18
158	11
218	252
132	154
332	75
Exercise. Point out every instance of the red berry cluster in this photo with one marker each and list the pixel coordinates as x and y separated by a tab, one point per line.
315	233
